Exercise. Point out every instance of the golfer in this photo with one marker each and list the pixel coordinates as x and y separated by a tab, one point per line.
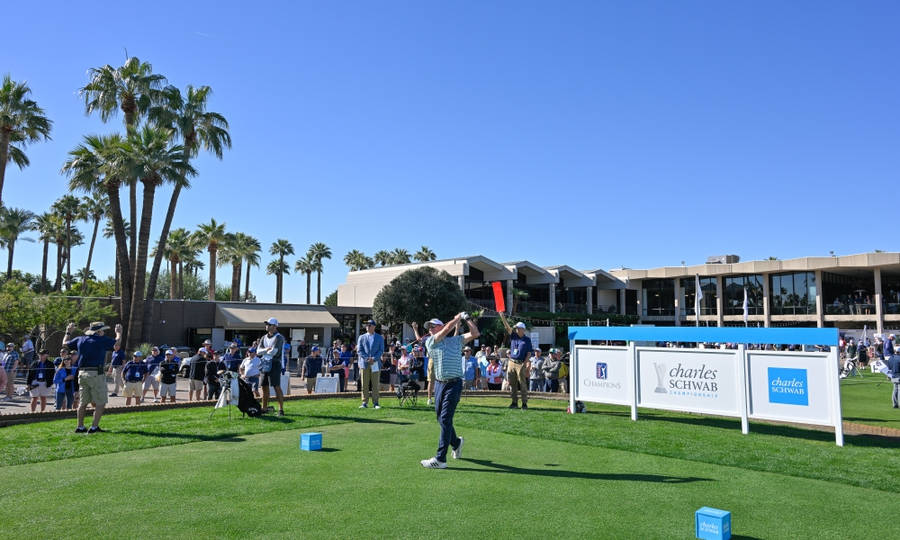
92	347
445	354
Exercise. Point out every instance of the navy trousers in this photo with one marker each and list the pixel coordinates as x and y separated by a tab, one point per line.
446	397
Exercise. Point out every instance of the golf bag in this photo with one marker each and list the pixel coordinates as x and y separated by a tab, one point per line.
247	403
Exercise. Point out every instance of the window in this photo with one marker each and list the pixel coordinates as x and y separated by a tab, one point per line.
707	303
734	294
658	298
794	293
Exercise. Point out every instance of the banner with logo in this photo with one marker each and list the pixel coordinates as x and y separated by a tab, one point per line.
791	387
603	375
696	380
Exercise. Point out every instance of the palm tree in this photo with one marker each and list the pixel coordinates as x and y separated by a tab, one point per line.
282	248
400	256
69	208
318	252
21	122
251	256
210	235
382	257
188	118
424	255
193	264
14	222
231	254
178	248
109	232
305	265
95	208
352	259
46	224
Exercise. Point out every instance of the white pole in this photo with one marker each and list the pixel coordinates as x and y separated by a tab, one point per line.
632	350
743	390
573	377
835	396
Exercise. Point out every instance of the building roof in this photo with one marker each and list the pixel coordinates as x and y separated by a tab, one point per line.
251	316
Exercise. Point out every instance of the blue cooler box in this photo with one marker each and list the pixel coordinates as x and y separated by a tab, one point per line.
310	441
712	523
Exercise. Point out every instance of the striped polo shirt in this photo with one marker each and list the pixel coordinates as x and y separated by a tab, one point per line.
446	357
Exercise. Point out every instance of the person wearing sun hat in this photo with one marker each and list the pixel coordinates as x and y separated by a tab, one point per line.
520	350
92	348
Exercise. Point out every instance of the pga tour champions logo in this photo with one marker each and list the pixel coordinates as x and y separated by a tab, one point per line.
601	378
788	386
681	381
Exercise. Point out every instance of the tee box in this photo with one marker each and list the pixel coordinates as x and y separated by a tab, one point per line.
712	523
310	441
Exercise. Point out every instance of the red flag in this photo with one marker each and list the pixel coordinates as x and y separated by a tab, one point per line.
499	303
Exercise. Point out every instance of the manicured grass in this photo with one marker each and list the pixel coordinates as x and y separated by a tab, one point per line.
867	400
367	483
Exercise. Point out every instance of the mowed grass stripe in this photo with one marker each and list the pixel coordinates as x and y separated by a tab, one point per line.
368	484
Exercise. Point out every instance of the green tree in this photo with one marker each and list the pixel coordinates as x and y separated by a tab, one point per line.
251	257
95	208
13	223
282	248
318	252
424	254
46	225
210	235
69	209
400	256
358	260
331	299
109	232
305	265
21	122
382	258
418	295
231	254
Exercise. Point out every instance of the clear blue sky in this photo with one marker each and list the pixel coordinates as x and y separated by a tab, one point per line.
593	134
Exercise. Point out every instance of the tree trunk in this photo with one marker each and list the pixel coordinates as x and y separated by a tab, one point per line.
319	287
213	248
236	281
173	278
11	247
68	255
308	284
4	157
59	266
87	267
124	265
44	267
157	263
117	275
247	283
135	319
132	247
181	279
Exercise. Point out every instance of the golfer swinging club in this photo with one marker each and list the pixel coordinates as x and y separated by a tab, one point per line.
445	354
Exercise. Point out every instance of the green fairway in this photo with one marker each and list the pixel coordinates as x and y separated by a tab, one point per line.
368	483
867	400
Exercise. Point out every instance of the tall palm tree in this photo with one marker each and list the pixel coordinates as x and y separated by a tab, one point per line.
197	128
109	232
152	160
95	208
21	122
305	265
70	209
382	257
251	256
231	254
282	248
178	247
278	268
46	224
66	238
14	222
352	259
210	235
100	163
424	255
400	256
318	252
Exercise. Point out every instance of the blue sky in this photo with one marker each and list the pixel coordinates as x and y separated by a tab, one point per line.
593	134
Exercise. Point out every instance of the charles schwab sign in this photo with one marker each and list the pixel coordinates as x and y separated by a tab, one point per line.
689	379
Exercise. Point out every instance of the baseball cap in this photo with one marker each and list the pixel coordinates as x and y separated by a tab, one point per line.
434	322
43	351
233	346
170	351
314	349
272	321
138	353
520	324
370	322
207	342
251	349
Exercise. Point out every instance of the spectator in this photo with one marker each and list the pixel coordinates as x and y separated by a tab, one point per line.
470	369
563	372
338	367
494	373
250	370
370	347
536	374
168	376
388	371
64	379
894	370
312	367
91	381
232	358
550	369
197	374
27	350
115	368
10	359
134	372
40	377
520	350
347	360
213	367
271	347
483	362
153	361
888	348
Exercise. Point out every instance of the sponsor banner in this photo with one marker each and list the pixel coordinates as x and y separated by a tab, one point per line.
792	387
699	380
603	375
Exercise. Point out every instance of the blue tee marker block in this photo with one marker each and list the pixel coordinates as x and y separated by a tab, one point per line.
310	441
712	523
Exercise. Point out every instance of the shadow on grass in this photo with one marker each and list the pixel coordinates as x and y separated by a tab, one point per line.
359	420
493	467
222	437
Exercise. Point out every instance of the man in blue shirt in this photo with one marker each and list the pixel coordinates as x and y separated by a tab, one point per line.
370	347
10	361
115	369
232	359
135	373
520	350
311	369
153	361
444	353
92	348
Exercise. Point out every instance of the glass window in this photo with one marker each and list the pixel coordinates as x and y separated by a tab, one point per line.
658	297
794	293
734	295
688	296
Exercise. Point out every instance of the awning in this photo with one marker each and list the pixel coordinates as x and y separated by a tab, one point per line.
251	316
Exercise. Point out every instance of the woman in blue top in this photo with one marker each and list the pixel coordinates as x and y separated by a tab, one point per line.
65	384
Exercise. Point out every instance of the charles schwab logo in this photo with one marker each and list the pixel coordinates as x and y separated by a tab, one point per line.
788	386
601	378
681	381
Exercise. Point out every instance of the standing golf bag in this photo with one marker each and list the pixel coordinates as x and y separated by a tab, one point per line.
247	403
